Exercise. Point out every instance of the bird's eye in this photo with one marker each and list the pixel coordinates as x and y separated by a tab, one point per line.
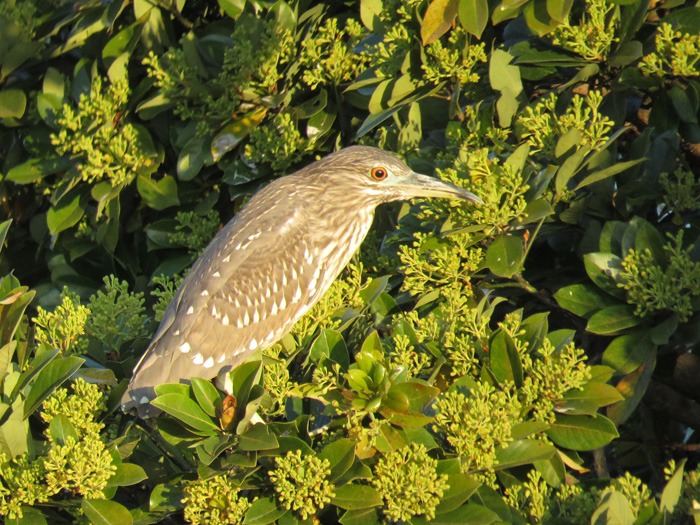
379	173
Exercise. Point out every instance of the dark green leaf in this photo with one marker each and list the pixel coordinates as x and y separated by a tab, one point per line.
65	213
187	411
34	170
607	172
158	195
583	299
632	387
340	454
505	256
127	474
262	512
191	159
627	352
604	270
52	376
206	394
257	437
582	432
461	487
612	320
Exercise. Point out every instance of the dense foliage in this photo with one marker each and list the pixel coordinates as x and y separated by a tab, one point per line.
530	360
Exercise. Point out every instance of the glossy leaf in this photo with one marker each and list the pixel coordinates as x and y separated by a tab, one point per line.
186	410
106	512
612	320
627	352
583	299
51	377
505	256
582	432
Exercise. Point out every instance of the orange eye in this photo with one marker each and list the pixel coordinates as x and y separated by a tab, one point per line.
379	173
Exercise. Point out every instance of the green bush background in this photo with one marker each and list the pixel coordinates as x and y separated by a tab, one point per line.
530	360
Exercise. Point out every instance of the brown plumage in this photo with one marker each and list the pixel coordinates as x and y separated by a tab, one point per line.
270	264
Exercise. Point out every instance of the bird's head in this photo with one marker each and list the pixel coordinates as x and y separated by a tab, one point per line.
373	176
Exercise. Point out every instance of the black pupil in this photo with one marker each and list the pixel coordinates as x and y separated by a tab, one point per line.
379	173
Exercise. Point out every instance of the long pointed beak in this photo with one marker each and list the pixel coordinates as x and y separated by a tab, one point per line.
417	185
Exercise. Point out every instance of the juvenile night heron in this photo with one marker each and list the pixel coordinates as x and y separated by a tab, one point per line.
270	264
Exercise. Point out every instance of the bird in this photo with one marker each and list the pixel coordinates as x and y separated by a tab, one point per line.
271	263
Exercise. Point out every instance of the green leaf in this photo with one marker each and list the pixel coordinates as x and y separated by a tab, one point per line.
61	428
612	320
647	237
262	512
627	352
568	142
460	488
366	516
582	432
187	411
537	210
614	508
34	170
232	134
474	15
51	377
589	399
158	195
604	270
523	452
471	513
330	344
127	474
257	437
632	387
438	19
583	299
106	512
4	228
559	9
505	256
570	168
341	455
65	213
13	102
191	159
502	74
672	491
166	498
603	174
206	394
232	8
504	360
537	17
353	496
